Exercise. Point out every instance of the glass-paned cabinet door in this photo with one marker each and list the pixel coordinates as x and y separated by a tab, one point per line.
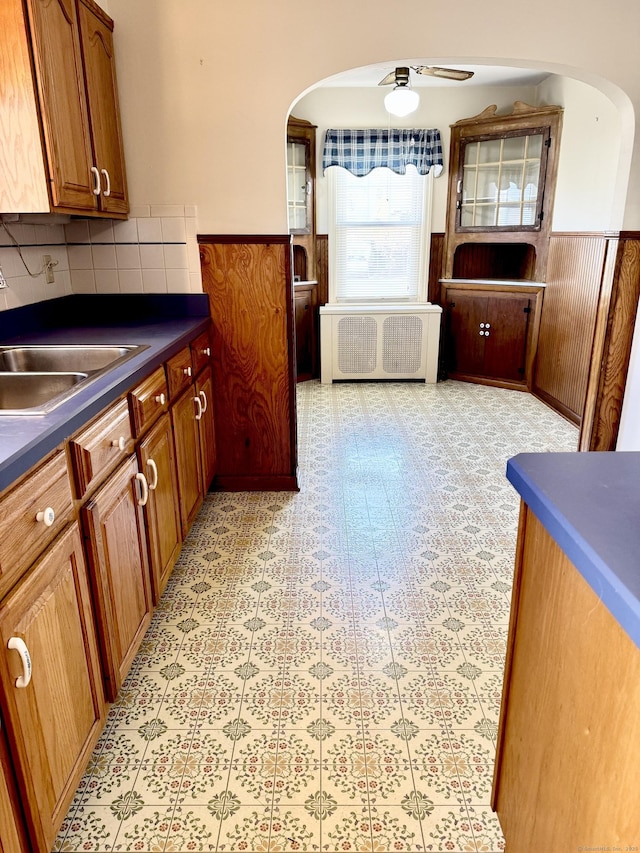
501	181
298	187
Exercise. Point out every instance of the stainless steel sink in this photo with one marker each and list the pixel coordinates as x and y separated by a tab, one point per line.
36	379
34	393
62	358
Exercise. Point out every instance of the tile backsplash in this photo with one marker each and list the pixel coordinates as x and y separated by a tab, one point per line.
154	251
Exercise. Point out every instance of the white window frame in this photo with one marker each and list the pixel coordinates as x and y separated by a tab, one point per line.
425	245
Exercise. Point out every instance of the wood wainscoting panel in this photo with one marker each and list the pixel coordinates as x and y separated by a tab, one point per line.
569	314
612	349
249	283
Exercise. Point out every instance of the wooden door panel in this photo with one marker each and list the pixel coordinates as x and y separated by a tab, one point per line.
187	442
114	525
157	462
204	388
104	113
60	80
506	346
465	344
55	721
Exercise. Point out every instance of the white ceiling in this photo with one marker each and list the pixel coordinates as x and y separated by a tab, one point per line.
484	75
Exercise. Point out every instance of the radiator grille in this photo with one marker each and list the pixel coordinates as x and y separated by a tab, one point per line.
402	344
357	345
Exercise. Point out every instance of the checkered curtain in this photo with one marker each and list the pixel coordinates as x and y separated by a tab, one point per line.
360	151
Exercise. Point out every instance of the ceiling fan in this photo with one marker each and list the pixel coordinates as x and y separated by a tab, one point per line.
400	77
402	99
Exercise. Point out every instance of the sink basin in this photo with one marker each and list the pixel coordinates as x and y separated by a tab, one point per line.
36	379
34	393
86	359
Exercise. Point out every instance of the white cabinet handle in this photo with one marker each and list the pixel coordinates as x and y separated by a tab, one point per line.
186	371
144	490
205	404
96	176
20	646
120	443
47	516
153	484
107	192
198	403
161	399
207	352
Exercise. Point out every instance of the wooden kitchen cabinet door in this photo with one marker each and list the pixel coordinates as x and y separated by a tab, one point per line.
206	427
96	38
54	722
187	443
60	78
12	837
114	526
156	455
487	336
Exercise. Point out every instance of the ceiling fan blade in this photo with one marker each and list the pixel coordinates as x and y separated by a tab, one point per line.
390	78
400	76
447	73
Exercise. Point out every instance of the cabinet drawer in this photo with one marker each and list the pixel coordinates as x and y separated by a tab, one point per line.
97	449
148	400
24	537
200	352
179	372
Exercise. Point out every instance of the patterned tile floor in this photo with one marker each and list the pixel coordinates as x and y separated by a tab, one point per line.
323	672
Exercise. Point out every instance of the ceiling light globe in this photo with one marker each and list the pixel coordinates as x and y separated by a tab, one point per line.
401	101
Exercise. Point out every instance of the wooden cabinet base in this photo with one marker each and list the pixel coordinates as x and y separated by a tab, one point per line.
566	774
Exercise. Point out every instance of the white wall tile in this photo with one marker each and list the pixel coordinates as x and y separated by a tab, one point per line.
83	281
50	234
127	256
173	229
191	228
130	281
9	262
193	256
125	231
80	257
178	281
195	282
154	281
151	256
107	281
167	210
175	256
191	210
150	230
138	210
101	230
77	231
104	257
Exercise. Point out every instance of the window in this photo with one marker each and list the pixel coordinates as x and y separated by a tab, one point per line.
501	180
380	235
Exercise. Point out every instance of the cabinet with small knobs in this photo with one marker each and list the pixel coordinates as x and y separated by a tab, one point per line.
490	331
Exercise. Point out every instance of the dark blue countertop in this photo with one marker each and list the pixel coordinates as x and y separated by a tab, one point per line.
166	323
590	505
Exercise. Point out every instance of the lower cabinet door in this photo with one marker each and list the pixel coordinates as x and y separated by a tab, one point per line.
52	719
12	836
204	389
114	527
187	441
156	456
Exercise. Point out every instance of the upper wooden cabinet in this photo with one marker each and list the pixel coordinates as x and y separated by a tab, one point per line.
501	190
60	129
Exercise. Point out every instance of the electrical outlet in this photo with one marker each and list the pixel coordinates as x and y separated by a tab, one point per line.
3	281
47	266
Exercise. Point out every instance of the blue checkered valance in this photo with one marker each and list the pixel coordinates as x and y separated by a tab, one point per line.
360	151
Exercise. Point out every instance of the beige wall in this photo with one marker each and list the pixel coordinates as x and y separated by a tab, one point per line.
206	85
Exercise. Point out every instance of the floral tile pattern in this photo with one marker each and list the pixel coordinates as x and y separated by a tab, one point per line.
324	670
